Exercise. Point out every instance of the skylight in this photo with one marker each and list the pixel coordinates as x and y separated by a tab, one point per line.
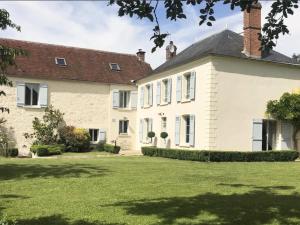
60	61
114	66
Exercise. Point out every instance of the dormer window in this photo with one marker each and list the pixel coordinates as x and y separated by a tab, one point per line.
60	61
114	66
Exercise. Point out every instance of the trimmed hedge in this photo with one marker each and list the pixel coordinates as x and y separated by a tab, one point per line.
221	156
11	152
112	148
47	150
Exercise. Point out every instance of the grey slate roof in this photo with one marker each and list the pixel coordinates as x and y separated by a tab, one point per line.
225	43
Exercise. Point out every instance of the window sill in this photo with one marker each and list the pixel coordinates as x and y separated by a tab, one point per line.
147	106
164	103
31	106
125	109
185	145
124	135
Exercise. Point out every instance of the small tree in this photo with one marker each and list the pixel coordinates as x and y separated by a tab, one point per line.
151	135
164	135
287	108
45	130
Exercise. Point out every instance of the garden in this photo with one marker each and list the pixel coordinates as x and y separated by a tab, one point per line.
145	190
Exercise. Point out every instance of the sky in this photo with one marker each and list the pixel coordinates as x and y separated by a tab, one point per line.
93	24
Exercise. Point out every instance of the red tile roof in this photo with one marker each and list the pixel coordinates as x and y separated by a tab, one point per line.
82	64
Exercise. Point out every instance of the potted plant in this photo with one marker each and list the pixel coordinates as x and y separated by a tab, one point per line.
151	135
164	135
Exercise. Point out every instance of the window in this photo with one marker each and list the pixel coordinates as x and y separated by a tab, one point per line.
94	133
187	128
188	86
60	61
123	126
31	94
124	97
114	66
163	124
148	96
165	91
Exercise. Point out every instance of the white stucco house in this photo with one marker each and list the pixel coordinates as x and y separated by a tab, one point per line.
210	96
213	94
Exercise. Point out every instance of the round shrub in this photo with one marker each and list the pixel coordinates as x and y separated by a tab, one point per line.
82	138
164	135
151	134
13	152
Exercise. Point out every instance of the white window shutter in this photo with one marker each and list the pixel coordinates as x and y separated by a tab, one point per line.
192	130
151	95
158	92
193	85
43	95
169	90
177	130
286	136
178	88
133	97
141	130
142	97
116	99
257	134
20	93
102	135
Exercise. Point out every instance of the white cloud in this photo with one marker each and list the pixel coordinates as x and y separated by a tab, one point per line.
94	25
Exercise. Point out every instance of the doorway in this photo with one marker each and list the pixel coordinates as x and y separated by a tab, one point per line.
269	128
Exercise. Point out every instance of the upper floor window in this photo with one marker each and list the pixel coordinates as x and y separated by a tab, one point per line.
148	95
188	85
60	61
114	66
165	90
124	97
32	94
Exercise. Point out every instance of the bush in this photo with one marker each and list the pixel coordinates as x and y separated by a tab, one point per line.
11	152
151	134
75	139
112	148
100	146
5	221
47	150
221	156
164	135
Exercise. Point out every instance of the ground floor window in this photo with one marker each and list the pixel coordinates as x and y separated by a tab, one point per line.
187	124
269	135
163	124
123	126
94	134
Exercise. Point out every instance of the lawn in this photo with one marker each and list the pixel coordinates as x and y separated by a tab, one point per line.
141	190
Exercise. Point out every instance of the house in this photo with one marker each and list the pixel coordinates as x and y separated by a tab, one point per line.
94	90
213	94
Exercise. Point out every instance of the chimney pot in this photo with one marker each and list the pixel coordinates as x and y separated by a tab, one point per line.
252	30
141	55
170	51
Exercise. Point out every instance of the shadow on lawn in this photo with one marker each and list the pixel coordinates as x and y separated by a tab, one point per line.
253	208
60	220
19	171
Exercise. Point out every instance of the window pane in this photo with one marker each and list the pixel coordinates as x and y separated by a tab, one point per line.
91	134
125	126
27	95
125	99
120	126
95	135
35	94
187	121
188	85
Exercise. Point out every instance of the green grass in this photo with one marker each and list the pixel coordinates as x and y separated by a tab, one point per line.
141	190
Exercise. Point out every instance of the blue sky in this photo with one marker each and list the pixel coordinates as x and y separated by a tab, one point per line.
95	25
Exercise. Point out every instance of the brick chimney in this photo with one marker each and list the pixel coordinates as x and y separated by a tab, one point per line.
170	51
141	55
252	29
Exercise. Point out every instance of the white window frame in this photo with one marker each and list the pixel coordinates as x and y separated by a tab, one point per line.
92	130
122	126
124	99
187	128
31	87
111	65
59	58
187	78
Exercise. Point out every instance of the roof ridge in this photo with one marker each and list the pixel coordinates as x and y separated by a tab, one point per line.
66	46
